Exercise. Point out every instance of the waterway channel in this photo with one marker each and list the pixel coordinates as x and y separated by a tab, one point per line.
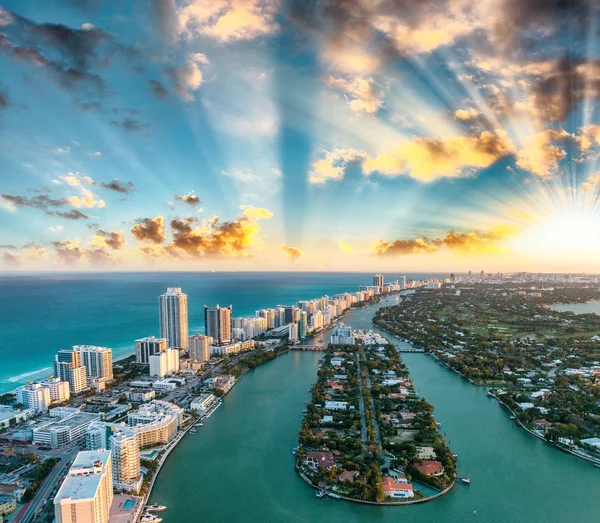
239	467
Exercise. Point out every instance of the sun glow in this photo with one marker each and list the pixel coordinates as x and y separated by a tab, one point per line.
568	232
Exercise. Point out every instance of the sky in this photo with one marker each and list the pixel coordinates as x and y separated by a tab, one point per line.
333	135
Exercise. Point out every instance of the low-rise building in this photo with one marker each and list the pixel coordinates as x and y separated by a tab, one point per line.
64	431
430	468
316	460
394	489
336	405
203	402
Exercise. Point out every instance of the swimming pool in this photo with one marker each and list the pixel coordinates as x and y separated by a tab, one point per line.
130	503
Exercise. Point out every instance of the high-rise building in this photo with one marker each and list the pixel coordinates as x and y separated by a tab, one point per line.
173	313
289	314
59	390
165	362
303	325
146	347
125	457
217	324
200	347
34	396
86	493
68	367
293	332
378	281
96	360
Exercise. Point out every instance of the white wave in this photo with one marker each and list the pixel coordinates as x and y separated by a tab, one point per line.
21	377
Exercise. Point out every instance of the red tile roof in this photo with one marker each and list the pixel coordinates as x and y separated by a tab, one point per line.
390	485
429	467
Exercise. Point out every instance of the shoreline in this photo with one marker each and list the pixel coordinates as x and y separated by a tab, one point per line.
129	350
377	503
446	367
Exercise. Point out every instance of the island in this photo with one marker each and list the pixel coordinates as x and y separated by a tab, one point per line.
367	436
542	364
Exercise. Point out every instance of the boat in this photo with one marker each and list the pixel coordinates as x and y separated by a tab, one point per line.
320	493
155	507
294	450
199	424
150	518
193	431
466	480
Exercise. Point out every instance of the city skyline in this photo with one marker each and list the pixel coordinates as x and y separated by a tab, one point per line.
257	135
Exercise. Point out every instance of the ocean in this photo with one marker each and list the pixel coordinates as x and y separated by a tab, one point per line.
41	313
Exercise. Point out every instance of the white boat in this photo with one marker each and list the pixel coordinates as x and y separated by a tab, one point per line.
466	480
150	518
320	493
155	507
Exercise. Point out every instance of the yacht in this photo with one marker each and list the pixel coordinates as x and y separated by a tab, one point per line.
294	450
466	480
155	507
320	493
150	518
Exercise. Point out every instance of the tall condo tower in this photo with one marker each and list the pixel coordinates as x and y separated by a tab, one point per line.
217	324
173	314
378	281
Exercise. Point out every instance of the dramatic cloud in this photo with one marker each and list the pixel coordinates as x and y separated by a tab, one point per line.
333	166
190	199
76	179
214	238
427	159
467	115
113	240
86	199
472	242
293	253
73	214
150	229
540	155
188	78
68	252
361	93
228	20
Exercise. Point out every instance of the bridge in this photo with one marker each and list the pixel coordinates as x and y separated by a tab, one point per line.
409	349
308	347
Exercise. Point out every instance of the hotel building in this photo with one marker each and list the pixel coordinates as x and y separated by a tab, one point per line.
173	315
86	493
146	347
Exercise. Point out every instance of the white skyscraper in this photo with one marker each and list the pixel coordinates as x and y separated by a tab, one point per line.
86	493
173	313
146	347
97	361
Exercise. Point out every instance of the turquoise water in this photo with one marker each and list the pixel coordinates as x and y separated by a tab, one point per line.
579	308
42	313
130	503
239	467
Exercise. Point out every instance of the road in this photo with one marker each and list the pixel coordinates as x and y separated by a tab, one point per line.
361	404
29	511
